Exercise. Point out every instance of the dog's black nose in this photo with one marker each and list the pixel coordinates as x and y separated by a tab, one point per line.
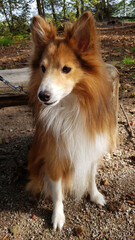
44	96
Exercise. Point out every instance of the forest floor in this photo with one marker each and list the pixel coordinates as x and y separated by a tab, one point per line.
24	218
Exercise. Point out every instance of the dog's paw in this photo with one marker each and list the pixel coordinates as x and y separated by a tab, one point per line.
58	218
98	198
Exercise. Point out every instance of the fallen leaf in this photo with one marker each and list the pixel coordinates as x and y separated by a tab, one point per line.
14	229
131	202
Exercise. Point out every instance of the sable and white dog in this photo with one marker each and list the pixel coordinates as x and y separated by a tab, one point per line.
75	118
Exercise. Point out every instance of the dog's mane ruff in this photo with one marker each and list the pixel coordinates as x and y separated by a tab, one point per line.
61	119
68	125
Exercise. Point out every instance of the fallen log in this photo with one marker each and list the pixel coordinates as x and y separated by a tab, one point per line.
9	97
13	100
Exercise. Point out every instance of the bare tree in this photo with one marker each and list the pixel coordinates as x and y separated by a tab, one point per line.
64	9
82	6
53	10
7	11
41	7
77	8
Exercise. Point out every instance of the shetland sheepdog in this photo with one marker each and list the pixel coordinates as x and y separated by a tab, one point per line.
75	118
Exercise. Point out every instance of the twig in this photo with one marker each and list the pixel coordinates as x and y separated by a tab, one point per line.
101	234
131	130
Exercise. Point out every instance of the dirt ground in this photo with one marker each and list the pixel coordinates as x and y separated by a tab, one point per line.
25	218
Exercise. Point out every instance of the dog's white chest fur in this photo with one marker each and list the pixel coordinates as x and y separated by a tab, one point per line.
69	129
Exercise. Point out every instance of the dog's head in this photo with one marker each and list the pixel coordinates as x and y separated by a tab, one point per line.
62	62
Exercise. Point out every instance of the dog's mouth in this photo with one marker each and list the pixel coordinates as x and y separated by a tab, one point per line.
50	103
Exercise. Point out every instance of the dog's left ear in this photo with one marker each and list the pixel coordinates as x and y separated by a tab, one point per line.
82	34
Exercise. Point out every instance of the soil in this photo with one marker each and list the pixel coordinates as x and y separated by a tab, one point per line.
23	217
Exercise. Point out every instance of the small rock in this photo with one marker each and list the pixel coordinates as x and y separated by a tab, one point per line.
106	183
132	110
99	206
14	229
122	208
10	130
133	193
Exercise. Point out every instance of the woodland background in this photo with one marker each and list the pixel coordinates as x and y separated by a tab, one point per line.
15	15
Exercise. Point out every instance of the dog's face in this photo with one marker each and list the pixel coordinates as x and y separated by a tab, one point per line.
59	59
60	71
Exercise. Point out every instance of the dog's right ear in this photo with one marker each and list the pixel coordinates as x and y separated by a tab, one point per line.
42	31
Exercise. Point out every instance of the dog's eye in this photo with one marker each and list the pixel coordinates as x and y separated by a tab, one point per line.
43	68
66	69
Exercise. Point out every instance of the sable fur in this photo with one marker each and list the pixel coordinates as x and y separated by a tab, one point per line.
73	135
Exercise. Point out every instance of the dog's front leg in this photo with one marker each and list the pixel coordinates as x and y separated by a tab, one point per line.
58	217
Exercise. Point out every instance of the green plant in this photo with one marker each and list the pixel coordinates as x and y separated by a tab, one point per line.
133	49
119	49
5	41
133	75
20	38
128	60
131	20
13	39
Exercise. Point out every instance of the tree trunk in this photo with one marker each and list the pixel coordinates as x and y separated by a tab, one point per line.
108	10
43	8
77	9
82	6
53	11
11	15
124	6
39	7
64	9
103	4
7	19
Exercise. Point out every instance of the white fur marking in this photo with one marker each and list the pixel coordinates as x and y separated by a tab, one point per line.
58	217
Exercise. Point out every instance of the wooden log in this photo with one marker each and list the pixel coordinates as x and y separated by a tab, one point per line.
13	100
9	97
